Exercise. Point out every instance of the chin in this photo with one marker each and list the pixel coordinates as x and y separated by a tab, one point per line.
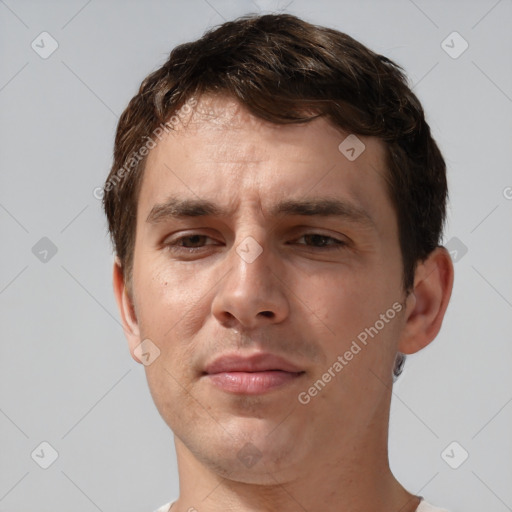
253	467
257	451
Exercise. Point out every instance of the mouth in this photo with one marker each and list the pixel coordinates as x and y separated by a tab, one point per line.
257	374
252	383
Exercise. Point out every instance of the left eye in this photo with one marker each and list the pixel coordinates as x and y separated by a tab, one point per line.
194	240
190	241
320	241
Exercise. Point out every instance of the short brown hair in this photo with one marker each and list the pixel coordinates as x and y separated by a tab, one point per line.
285	70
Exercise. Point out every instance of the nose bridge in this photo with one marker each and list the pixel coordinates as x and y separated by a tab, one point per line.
251	273
250	252
250	295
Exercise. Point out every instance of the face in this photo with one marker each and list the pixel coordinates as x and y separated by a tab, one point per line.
267	272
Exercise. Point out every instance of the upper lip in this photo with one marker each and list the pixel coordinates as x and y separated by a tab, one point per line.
254	363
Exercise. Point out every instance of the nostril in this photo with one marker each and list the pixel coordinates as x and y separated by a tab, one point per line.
267	314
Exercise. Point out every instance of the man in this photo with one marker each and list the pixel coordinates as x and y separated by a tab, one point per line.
276	205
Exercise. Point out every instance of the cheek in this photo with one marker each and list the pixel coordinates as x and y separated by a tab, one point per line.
168	297
349	309
168	384
343	301
169	315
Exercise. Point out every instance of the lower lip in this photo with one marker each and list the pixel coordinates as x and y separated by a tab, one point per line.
252	383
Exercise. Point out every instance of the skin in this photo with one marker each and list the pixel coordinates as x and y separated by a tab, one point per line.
305	298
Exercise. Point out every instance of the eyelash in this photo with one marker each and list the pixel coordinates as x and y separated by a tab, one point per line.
337	245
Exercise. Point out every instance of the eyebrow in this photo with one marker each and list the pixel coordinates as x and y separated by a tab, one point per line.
176	208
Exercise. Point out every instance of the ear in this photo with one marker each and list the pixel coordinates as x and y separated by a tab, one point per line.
126	309
427	302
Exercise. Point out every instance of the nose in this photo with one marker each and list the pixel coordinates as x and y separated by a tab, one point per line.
251	295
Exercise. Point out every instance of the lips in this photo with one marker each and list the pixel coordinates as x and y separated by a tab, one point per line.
256	374
255	363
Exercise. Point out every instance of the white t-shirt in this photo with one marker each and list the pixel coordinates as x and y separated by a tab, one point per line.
422	507
165	508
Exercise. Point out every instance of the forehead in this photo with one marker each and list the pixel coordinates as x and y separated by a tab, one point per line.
228	132
220	150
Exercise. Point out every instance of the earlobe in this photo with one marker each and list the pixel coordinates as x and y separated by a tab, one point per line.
427	303
126	309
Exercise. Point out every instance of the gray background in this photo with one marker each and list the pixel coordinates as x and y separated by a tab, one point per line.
65	372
